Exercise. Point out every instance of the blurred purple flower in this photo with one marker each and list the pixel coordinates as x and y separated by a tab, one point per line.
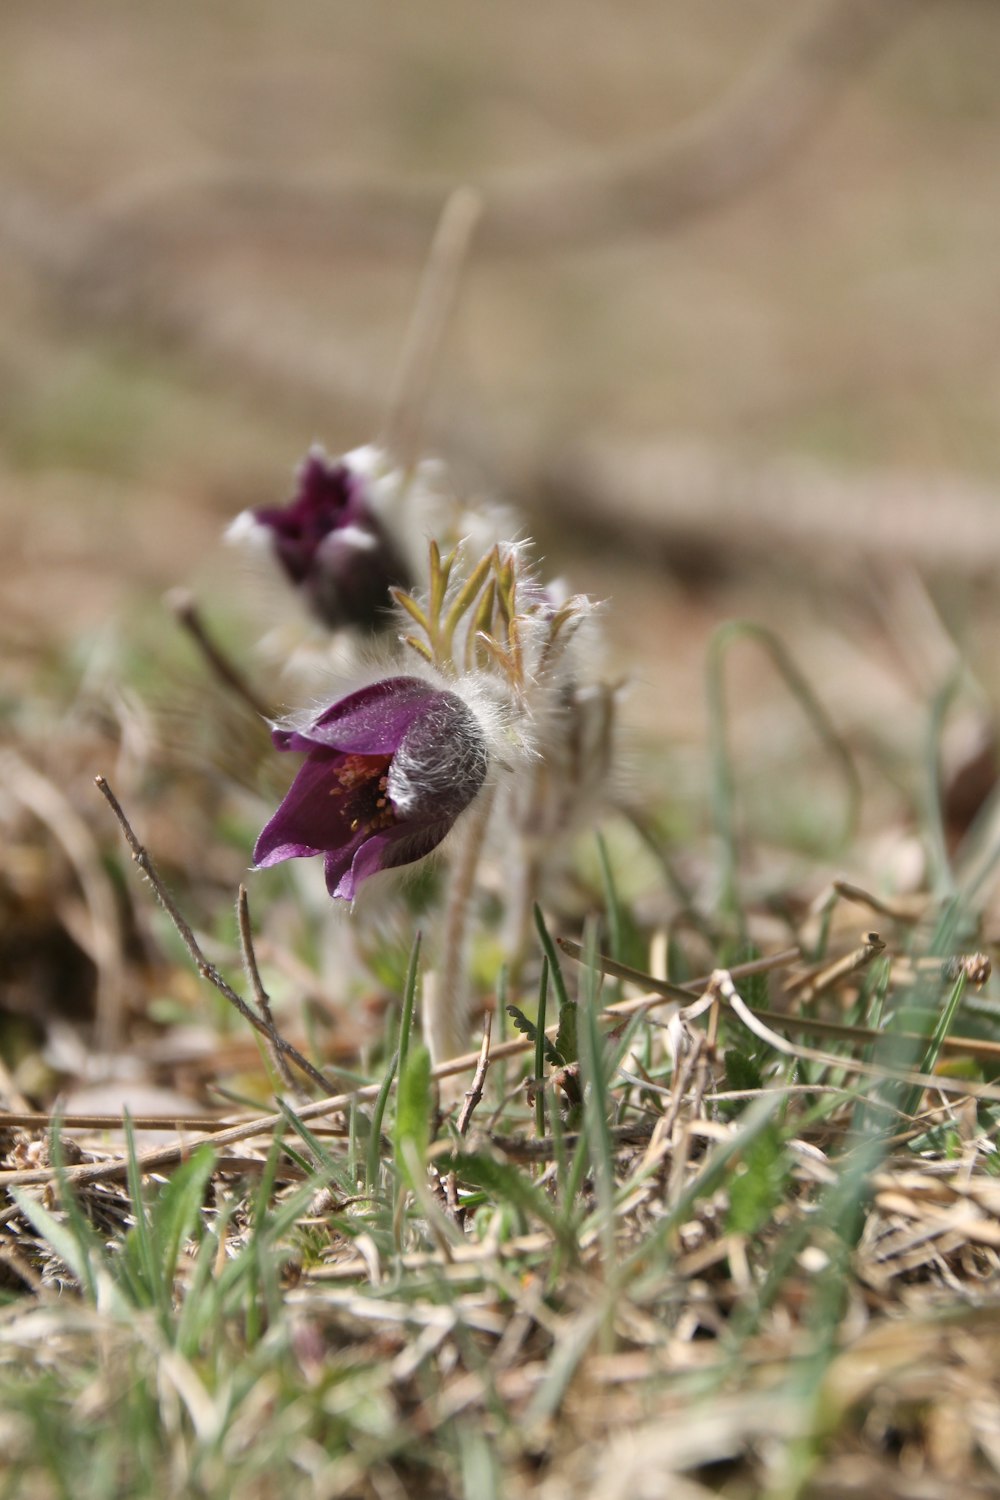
332	545
388	770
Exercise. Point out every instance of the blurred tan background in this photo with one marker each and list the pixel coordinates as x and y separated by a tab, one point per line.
729	332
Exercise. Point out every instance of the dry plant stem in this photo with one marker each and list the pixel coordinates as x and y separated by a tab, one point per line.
37	1119
445	1002
807	987
961	1046
474	1095
753	1023
411	385
205	969
187	614
681	992
682	1151
259	993
662	1135
906	910
548	1148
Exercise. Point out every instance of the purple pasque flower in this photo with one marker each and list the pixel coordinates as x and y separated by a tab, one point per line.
332	545
387	771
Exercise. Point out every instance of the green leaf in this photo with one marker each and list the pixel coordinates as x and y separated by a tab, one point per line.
756	1191
742	1071
549	949
507	1184
413	1106
529	1029
566	1038
177	1211
374	1153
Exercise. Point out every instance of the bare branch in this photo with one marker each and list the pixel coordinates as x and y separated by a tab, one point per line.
428	325
205	969
259	993
475	1093
184	608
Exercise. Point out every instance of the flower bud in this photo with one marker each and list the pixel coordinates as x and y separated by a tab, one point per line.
332	544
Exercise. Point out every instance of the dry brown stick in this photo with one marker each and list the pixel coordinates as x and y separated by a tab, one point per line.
545	1147
184	608
904	910
205	969
475	1093
808	986
965	1046
841	968
680	992
37	1119
411	384
261	996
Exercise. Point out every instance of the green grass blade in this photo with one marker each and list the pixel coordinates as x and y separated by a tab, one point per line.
543	995
141	1234
413	1112
374	1154
549	949
409	1000
596	1098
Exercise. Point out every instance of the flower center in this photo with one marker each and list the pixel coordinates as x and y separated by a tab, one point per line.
364	780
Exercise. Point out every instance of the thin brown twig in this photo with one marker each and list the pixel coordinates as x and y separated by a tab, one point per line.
962	1045
815	982
422	346
259	993
206	969
902	910
37	1119
681	992
475	1093
704	1057
548	1147
965	1046
184	608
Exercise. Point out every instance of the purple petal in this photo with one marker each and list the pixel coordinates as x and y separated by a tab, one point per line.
333	546
372	721
402	844
315	816
326	497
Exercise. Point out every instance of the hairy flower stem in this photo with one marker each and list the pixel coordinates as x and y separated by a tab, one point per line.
445	1007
